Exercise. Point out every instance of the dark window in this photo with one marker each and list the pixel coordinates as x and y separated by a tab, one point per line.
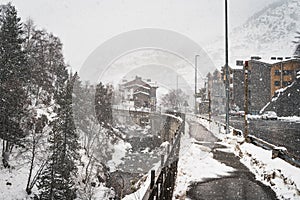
286	83
288	72
277	72
277	83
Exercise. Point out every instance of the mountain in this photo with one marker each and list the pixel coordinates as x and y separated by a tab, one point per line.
267	33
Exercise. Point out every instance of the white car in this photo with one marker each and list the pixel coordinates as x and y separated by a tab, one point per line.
269	115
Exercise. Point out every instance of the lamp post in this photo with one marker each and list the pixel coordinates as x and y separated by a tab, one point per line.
226	70
196	109
177	103
246	101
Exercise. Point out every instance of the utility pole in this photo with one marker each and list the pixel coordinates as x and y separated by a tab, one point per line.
226	69
177	92
281	74
196	107
246	99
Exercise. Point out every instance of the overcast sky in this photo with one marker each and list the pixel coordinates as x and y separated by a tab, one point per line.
83	25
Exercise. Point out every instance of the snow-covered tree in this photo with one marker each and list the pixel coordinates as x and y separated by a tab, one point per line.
57	180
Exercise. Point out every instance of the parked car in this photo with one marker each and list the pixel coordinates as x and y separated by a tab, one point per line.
269	115
236	113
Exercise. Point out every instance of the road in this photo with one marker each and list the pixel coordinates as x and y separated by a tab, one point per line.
277	132
240	184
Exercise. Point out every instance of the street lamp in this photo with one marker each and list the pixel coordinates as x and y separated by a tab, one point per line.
246	102
196	109
226	70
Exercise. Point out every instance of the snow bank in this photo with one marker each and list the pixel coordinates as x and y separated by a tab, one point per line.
290	119
282	177
13	183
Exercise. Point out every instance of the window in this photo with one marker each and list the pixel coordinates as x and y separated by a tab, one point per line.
277	83
277	72
286	83
288	72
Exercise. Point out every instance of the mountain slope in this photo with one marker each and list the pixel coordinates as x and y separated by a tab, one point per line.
267	33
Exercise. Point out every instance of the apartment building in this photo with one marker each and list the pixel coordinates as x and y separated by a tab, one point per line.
141	92
259	87
283	73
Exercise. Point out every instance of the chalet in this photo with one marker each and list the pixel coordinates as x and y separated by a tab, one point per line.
141	92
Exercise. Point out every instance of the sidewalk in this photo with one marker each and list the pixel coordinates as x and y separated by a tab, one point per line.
216	173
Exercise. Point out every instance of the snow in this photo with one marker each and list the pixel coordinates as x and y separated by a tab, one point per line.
282	177
120	150
264	107
173	116
281	90
18	179
191	160
290	119
153	84
253	116
268	33
47	112
138	85
13	180
143	186
141	92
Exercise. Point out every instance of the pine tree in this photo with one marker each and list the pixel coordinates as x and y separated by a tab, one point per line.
56	182
103	105
47	76
297	42
13	80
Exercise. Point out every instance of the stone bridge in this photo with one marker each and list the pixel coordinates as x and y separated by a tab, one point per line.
164	125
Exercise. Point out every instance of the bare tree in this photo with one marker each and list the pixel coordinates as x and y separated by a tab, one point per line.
174	99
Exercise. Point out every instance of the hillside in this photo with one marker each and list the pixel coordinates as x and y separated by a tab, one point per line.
267	33
286	101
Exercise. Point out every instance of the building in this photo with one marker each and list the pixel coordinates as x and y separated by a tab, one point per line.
216	87
283	73
238	88
141	92
259	87
263	80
